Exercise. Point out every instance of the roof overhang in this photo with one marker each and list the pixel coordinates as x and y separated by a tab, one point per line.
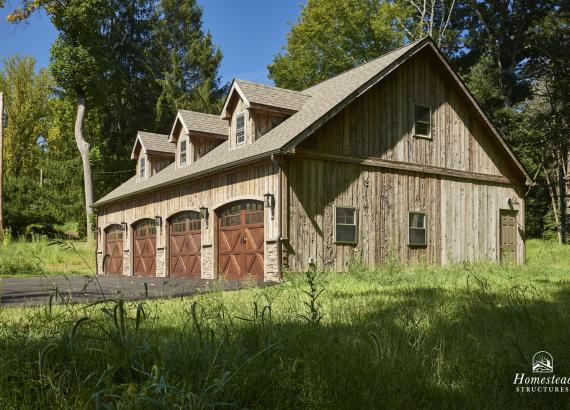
234	89
178	121
138	141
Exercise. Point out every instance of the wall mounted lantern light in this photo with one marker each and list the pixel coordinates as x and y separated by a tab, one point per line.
269	202
125	228
512	202
204	214
158	221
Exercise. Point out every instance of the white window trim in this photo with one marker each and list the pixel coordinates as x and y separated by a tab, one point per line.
142	170
427	137
425	228
355	225
180	163
241	114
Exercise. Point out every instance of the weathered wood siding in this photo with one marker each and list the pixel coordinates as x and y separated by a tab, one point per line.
462	216
461	179
264	121
201	146
380	124
250	182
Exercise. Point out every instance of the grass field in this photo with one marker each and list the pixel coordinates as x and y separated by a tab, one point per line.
396	337
32	258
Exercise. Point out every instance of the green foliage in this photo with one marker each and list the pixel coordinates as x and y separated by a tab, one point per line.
33	256
27	204
333	36
419	337
26	100
20	266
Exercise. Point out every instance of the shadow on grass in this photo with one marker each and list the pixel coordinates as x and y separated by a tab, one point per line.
423	347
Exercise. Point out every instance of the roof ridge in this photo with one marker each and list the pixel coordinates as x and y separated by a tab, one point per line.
199	112
153	133
271	87
368	62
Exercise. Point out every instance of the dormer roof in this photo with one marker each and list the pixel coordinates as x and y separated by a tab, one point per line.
264	96
152	143
200	123
326	100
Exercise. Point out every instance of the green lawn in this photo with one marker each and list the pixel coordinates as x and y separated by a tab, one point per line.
397	337
22	258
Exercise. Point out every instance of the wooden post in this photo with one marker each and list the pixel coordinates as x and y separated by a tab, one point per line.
1	161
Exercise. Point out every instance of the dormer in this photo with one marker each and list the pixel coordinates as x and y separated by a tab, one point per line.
153	153
194	134
253	109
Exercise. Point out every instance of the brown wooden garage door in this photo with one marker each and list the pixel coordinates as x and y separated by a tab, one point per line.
240	239
114	250
144	241
185	245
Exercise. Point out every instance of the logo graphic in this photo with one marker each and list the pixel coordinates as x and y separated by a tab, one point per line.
542	362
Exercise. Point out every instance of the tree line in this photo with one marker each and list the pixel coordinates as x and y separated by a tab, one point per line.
116	67
119	66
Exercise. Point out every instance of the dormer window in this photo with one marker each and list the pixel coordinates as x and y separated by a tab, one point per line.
240	129
142	167
183	152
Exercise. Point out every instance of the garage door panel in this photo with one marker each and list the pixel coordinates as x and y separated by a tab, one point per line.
113	250
254	239
144	240
185	245
254	264
240	239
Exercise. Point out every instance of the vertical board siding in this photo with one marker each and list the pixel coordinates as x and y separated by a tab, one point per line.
380	124
462	216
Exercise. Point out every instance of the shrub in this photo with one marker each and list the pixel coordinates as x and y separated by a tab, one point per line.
21	266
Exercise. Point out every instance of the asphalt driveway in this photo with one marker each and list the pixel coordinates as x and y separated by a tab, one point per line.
37	291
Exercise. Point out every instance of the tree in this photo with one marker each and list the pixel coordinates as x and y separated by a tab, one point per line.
78	63
332	36
432	18
505	31
127	65
188	61
27	95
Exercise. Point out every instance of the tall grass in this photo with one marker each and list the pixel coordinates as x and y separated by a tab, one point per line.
396	337
32	258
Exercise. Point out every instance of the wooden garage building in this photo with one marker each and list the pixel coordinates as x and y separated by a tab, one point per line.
392	159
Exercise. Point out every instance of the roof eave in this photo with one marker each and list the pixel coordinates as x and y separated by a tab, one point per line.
181	179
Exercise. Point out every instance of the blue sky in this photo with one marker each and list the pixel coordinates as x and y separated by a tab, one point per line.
249	32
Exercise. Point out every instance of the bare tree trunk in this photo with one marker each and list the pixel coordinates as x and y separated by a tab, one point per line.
83	148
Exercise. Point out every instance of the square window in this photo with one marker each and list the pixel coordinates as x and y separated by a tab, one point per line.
345	225
240	129
422	121
417	235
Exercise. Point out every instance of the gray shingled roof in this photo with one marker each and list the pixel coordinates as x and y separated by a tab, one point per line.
154	142
200	122
272	96
326	99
